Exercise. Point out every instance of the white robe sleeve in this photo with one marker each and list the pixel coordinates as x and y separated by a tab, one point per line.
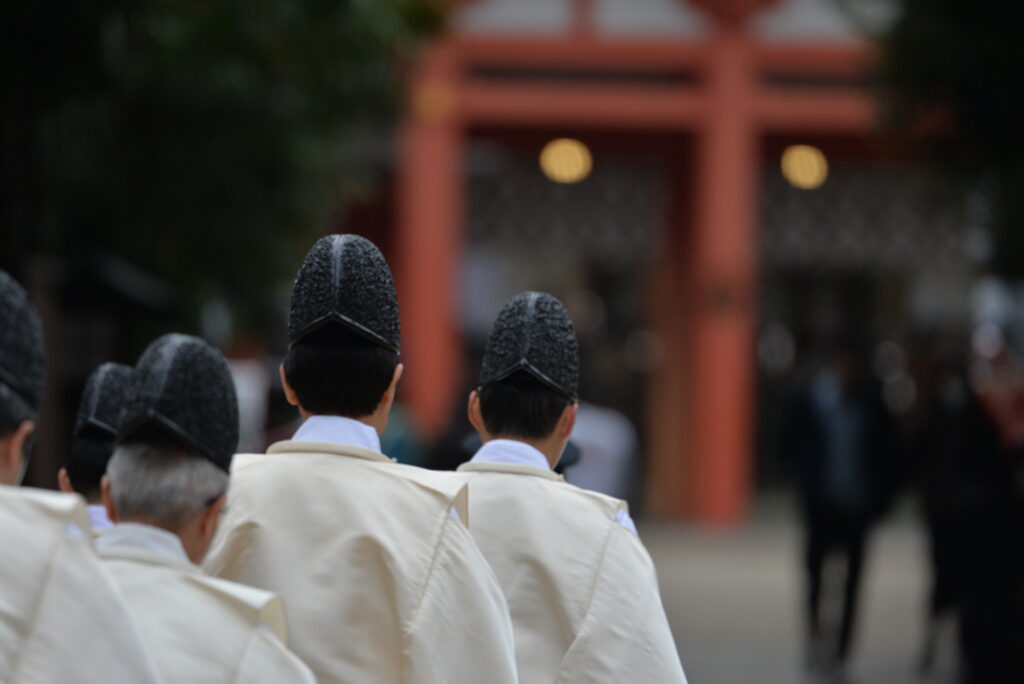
480	626
81	631
267	660
625	636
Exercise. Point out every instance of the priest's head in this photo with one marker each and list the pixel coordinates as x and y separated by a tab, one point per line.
176	441
22	375
530	376
104	402
343	333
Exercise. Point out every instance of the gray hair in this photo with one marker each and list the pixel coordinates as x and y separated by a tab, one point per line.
162	484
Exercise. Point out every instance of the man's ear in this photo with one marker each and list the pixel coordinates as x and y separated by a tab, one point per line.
12	452
210	518
289	393
389	395
567	421
476	418
108	499
64	482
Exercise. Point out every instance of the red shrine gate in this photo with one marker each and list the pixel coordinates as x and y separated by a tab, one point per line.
728	93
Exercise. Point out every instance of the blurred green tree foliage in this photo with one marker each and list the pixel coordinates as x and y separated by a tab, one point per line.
953	72
202	140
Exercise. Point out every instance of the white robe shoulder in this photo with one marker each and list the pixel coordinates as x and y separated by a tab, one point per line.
581	588
62	617
447	491
381	582
204	629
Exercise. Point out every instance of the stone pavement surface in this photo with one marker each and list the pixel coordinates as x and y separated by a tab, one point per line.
734	597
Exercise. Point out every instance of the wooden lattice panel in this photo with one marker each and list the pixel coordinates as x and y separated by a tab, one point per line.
863	217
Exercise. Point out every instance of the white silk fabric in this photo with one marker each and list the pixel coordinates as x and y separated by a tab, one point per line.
203	629
62	617
381	583
581	588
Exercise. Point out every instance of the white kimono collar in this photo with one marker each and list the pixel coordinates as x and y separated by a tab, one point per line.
98	518
296	447
144	543
338	430
333	435
510	456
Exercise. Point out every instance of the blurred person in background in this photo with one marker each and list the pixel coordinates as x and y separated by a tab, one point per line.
952	432
99	417
990	481
61	617
838	439
607	443
253	375
165	487
401	440
581	588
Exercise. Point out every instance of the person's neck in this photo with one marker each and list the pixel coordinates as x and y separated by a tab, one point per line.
192	541
551	448
374	420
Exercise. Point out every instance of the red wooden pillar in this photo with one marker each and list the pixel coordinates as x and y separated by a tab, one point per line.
429	244
669	414
723	268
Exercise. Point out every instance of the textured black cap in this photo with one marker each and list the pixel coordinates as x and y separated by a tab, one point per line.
534	334
345	280
104	399
22	367
183	388
100	411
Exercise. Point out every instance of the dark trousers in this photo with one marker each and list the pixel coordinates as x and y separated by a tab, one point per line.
946	558
992	600
833	532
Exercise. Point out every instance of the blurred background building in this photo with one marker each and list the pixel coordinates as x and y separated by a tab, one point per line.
702	183
708	184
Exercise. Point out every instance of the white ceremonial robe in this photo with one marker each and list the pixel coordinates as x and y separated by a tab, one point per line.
581	588
382	583
200	629
62	617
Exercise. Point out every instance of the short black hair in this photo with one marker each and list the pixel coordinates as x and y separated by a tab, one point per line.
520	406
13	411
335	371
87	463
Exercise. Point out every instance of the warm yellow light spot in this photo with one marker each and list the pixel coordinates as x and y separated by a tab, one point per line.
565	160
805	167
432	103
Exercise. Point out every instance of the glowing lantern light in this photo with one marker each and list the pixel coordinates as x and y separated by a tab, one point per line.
805	167
565	160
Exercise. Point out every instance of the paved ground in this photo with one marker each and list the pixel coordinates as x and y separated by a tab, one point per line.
733	599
